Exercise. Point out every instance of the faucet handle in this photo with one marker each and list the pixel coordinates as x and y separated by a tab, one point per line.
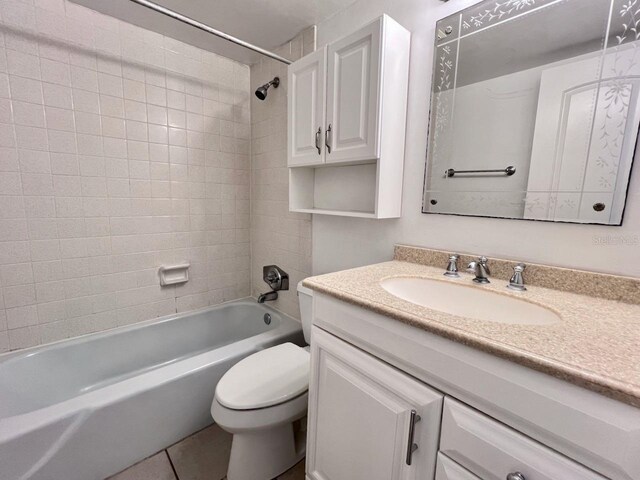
452	266
516	282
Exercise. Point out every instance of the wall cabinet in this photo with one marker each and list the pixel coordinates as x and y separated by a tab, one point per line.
368	420
337	96
307	86
482	417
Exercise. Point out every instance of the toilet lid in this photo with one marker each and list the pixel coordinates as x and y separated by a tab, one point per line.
266	378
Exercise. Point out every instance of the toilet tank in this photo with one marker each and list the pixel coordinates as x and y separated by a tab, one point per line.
305	297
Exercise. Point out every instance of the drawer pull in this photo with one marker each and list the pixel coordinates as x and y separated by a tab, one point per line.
412	447
516	476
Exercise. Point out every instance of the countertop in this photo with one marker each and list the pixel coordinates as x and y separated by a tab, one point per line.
596	345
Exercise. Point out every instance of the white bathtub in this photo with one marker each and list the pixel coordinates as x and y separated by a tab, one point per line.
89	407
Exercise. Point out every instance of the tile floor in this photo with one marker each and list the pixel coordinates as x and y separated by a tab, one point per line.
202	456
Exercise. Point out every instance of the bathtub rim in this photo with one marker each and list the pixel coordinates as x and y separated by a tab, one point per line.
6	356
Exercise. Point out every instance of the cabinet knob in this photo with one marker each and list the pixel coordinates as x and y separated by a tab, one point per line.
516	476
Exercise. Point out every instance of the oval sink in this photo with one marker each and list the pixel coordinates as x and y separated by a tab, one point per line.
468	301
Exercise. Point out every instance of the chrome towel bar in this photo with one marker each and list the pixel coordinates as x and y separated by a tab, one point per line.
510	170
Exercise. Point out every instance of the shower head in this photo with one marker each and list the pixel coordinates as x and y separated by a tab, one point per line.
261	92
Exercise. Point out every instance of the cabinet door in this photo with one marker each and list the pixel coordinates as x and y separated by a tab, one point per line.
360	417
353	85
306	109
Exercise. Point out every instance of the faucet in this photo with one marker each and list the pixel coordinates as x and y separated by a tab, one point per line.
267	297
480	269
277	279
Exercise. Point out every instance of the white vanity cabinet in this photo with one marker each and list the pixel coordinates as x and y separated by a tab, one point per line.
346	124
495	452
367	421
482	417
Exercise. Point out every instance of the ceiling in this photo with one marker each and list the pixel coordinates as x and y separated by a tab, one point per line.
265	23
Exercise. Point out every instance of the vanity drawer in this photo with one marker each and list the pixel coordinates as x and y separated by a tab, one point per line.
493	451
447	469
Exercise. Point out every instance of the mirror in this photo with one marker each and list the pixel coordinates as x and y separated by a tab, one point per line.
535	110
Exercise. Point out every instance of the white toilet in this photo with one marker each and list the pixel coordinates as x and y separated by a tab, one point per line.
261	401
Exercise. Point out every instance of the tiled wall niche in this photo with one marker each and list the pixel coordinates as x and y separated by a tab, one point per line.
277	235
120	150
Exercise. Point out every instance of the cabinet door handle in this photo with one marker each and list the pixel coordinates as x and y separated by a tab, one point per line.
516	476
327	138
318	133
412	447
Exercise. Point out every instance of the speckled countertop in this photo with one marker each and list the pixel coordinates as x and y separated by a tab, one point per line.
596	345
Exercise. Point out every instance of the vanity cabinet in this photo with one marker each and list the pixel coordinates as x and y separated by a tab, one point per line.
447	469
482	417
367	420
345	156
493	451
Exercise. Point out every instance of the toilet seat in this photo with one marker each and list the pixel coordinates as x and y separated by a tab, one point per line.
266	378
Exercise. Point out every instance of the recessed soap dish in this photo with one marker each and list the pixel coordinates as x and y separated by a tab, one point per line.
174	274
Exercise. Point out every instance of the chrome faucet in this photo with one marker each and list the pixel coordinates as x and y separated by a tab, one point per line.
267	297
516	282
452	267
277	279
480	269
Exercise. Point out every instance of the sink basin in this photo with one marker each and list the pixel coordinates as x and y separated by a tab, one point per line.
469	301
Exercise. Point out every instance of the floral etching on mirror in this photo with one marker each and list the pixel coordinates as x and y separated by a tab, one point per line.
482	16
443	100
525	86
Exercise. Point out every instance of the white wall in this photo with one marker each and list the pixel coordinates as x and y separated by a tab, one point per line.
277	236
120	150
340	243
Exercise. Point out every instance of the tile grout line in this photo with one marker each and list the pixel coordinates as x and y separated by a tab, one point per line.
175	473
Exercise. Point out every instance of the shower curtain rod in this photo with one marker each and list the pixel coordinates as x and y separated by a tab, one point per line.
194	23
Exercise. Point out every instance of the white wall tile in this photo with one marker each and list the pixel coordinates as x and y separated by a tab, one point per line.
104	173
57	96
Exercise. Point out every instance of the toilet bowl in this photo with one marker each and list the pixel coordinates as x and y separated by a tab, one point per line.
262	401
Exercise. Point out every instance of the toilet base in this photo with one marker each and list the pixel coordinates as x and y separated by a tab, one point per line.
266	453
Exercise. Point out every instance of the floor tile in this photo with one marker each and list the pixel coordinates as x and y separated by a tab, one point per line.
202	456
296	473
157	467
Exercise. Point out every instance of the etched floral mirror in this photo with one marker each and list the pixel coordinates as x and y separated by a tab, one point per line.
535	110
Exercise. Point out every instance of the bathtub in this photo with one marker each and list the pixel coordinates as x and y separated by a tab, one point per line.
89	407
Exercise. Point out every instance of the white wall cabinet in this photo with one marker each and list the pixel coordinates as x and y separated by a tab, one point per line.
483	417
306	109
368	420
337	96
352	96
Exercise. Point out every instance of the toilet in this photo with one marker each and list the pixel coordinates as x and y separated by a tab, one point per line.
262	401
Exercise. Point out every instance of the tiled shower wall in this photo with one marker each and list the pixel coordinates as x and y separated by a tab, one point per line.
122	150
277	235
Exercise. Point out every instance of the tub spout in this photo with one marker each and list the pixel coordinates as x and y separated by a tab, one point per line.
267	297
